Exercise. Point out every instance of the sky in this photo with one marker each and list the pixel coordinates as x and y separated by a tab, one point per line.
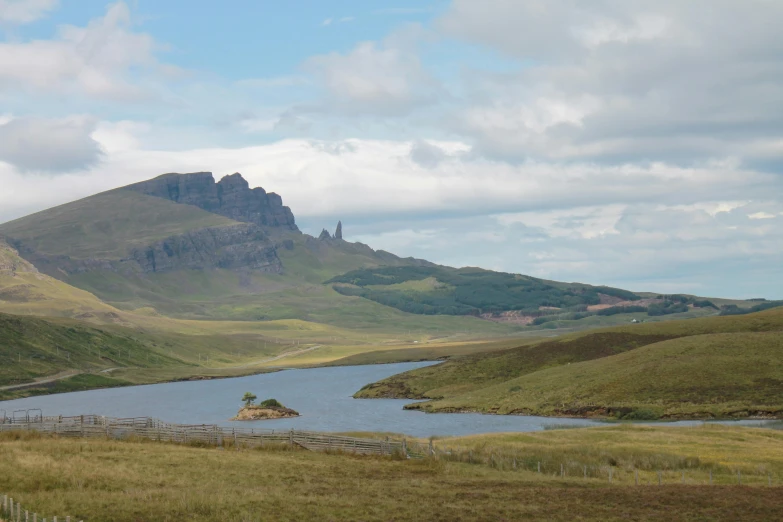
631	143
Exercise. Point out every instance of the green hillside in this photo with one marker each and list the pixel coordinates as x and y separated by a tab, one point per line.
107	225
703	376
467	291
32	347
483	381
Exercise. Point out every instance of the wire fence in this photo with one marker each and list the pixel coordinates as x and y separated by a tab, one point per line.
13	511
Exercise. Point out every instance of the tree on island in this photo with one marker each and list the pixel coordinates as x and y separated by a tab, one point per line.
248	399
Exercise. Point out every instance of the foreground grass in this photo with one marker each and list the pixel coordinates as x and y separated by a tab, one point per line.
699	452
133	481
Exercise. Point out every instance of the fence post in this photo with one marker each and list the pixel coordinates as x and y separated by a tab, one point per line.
562	470
611	470
683	477
515	463
405	447
291	437
539	466
432	450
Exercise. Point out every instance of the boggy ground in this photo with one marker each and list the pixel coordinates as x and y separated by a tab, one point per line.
145	481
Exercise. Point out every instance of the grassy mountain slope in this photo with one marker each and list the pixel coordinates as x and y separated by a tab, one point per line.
107	225
465	378
32	347
714	375
24	290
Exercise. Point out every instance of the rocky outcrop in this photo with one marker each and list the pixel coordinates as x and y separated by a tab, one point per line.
231	197
338	233
233	247
263	413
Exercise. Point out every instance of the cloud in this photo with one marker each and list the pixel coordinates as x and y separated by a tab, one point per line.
24	11
426	154
374	78
656	227
344	19
49	145
104	59
621	82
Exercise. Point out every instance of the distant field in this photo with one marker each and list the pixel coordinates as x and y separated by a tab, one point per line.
130	481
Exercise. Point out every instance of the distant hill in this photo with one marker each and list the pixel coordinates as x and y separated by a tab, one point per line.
469	291
716	366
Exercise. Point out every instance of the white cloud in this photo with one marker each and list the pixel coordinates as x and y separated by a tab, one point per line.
629	81
24	11
94	60
761	215
342	20
384	78
683	228
49	145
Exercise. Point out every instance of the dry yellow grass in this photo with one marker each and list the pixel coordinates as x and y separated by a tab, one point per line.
141	481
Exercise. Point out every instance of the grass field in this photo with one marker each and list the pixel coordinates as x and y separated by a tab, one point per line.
701	367
131	481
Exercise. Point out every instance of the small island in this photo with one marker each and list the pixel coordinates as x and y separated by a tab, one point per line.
268	409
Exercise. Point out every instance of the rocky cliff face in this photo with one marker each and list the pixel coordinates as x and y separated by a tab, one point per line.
231	197
240	246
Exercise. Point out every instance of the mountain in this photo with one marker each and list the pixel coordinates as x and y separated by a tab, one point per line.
189	247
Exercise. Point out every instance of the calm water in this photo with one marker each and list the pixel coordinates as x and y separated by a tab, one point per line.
321	395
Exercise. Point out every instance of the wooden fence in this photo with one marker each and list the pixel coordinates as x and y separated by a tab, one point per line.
237	438
206	434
